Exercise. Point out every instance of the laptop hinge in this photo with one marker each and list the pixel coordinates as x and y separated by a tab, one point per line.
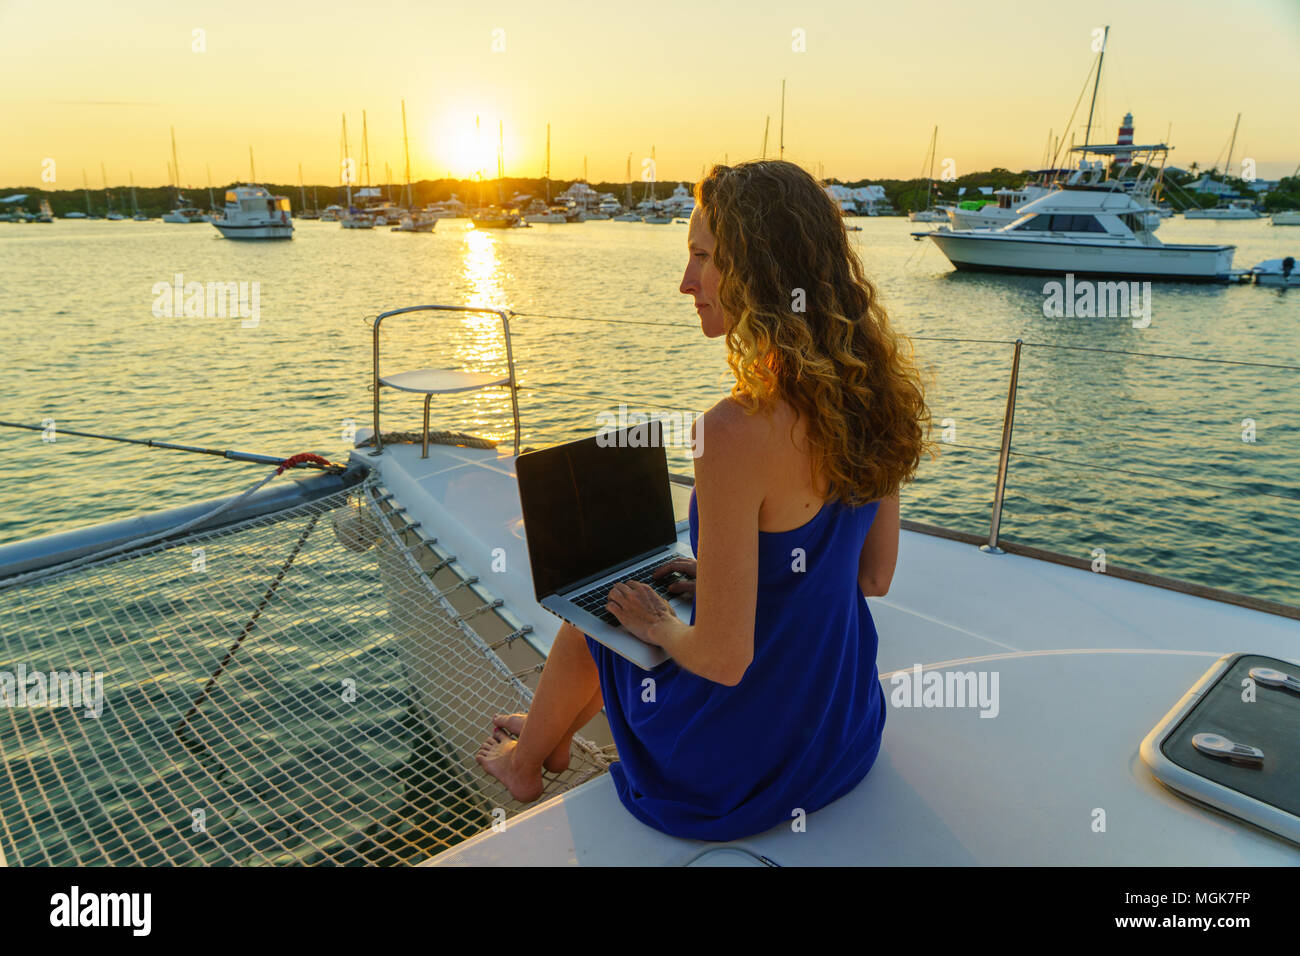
593	578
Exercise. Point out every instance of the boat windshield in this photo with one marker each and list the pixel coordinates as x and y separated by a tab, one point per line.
1059	222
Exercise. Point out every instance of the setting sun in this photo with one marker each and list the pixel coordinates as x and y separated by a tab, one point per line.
455	145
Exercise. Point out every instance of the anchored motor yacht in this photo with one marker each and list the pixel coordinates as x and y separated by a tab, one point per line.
1002	211
1091	226
251	212
1237	209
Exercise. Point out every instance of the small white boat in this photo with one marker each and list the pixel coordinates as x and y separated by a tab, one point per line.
1277	272
356	220
1286	217
251	212
331	214
1237	209
411	224
385	213
657	216
185	212
627	217
538	212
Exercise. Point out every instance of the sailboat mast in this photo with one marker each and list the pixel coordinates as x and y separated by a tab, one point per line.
501	160
1101	58
365	147
781	155
252	170
135	206
767	125
406	152
176	165
629	181
548	164
929	191
345	167
302	191
108	200
1227	169
85	185
211	203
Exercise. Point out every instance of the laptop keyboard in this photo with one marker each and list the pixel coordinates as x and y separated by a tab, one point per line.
594	600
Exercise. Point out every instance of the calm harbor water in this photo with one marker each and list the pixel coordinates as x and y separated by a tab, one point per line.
1143	457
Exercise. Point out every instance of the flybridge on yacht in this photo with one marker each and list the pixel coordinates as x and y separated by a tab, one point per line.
1091	225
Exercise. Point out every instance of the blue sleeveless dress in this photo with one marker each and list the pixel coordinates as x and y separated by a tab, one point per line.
705	761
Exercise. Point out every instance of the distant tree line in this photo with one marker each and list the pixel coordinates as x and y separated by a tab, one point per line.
905	195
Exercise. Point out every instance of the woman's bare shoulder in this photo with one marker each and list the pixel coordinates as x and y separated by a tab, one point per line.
738	429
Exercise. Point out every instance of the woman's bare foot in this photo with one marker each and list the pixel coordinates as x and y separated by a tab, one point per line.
497	758
557	761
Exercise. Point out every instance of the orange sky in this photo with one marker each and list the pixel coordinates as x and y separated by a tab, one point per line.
89	83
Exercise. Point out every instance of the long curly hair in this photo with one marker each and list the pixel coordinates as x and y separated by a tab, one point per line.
807	327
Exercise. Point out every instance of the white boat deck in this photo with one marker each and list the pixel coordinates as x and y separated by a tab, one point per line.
1087	664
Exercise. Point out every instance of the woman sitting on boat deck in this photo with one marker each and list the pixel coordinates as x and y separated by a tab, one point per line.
770	703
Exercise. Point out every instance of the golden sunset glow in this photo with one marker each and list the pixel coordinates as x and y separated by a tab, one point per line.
865	86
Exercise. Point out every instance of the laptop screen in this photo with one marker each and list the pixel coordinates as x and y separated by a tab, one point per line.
588	508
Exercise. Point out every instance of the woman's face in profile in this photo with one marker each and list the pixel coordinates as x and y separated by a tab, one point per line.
700	281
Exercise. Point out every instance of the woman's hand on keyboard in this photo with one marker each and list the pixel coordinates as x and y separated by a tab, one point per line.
642	610
685	570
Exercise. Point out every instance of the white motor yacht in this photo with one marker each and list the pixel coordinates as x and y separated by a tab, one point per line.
251	212
1286	217
1092	226
1004	210
1237	209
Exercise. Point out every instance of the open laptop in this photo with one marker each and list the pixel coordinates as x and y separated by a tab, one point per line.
596	512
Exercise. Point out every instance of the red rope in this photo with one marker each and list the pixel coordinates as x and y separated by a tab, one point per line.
295	460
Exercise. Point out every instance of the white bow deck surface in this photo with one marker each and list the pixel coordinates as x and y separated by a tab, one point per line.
1087	665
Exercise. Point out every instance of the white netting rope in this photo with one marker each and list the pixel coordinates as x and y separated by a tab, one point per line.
341	729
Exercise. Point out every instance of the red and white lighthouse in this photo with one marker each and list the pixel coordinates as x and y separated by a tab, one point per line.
1125	138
